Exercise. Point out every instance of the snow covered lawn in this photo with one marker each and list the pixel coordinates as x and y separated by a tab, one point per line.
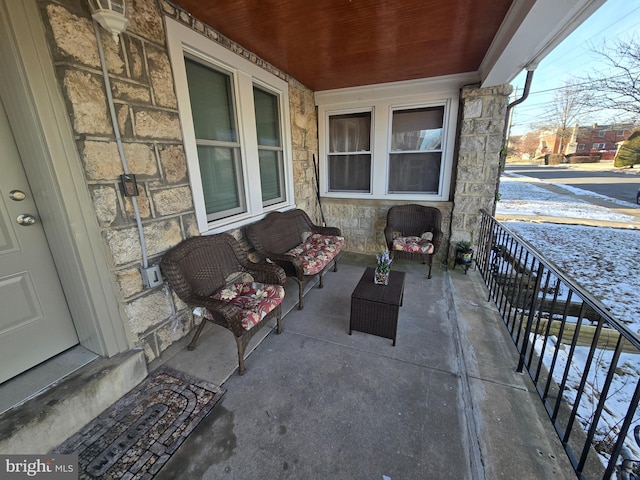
602	260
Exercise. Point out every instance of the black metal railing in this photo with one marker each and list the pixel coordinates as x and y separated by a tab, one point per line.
583	361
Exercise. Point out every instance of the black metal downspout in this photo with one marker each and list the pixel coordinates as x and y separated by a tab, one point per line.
505	131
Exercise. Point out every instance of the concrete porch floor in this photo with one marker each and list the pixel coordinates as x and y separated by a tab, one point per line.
315	402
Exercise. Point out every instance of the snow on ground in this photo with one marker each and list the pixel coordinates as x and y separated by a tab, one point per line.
602	260
520	195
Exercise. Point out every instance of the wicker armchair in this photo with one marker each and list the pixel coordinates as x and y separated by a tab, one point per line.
279	233
408	230
199	268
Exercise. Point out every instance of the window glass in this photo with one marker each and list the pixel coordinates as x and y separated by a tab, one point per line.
419	129
267	117
220	176
350	133
270	151
211	103
414	172
350	152
349	173
416	150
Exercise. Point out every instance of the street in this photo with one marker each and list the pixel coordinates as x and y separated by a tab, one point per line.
597	178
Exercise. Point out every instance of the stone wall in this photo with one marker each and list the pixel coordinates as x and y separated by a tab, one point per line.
478	162
146	108
304	134
362	222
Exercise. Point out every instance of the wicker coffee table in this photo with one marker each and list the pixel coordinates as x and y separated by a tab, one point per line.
374	308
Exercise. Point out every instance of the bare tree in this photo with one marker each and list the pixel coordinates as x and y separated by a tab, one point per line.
569	104
617	85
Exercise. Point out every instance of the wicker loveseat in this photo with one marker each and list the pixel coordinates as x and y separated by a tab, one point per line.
292	241
414	230
214	273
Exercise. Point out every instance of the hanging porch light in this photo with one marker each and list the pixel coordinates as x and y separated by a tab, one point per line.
111	14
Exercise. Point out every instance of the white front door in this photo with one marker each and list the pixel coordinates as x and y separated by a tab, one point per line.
35	323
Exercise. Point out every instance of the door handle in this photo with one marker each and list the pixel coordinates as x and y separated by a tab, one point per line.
26	219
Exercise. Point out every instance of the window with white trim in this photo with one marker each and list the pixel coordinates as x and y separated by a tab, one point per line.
392	142
599	146
216	131
237	137
581	146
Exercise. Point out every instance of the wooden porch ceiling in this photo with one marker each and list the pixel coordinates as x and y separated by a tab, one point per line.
327	44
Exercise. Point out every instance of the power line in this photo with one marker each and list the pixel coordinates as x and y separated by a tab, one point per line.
605	28
579	84
621	17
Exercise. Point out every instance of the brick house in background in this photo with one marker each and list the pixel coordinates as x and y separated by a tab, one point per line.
594	140
548	142
599	140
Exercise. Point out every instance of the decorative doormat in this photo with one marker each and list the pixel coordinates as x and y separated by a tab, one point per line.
137	435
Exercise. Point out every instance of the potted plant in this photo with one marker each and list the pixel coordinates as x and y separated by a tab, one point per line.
464	254
383	267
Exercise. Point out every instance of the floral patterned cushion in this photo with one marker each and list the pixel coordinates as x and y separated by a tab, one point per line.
317	251
255	300
413	245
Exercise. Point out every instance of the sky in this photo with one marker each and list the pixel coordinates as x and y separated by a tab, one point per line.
574	57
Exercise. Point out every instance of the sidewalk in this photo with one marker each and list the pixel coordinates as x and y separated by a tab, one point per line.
446	402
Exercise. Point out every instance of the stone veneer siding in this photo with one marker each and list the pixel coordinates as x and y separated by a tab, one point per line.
147	112
362	222
478	161
146	107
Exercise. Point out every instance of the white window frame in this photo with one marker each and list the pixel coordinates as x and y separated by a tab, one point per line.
381	100
182	40
580	146
396	108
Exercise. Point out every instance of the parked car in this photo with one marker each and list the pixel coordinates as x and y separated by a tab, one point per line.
638	197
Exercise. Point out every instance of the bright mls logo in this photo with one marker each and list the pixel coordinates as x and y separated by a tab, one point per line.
51	467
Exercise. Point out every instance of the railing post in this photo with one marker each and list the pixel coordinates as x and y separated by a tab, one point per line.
530	318
504	267
624	429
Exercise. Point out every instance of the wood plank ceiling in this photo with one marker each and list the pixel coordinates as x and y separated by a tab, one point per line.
327	44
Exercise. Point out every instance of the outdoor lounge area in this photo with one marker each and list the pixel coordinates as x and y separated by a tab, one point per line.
316	402
191	122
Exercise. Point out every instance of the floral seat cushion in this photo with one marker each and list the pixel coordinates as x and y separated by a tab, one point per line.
317	251
255	300
413	245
